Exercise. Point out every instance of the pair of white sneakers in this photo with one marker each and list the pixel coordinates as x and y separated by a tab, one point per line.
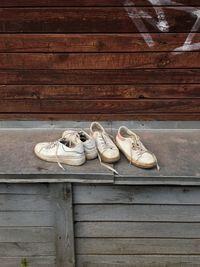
77	146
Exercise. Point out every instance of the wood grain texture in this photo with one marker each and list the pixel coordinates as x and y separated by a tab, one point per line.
137	261
136	229
98	106
137	246
62	3
103	77
53	43
91	92
91	194
148	213
87	20
102	117
63	61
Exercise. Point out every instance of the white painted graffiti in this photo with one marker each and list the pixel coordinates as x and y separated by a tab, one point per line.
137	15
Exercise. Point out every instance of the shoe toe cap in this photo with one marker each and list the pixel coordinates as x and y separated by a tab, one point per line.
148	159
111	153
39	148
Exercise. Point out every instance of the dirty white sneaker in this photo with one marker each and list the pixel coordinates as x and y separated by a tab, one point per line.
131	146
80	136
61	151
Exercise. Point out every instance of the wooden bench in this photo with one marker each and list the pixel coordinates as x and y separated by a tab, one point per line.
88	217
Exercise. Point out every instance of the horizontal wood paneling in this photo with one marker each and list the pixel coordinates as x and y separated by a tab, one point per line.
150	213
135	246
83	77
99	61
85	20
133	42
103	107
136	230
137	261
101	194
53	53
93	117
22	3
68	92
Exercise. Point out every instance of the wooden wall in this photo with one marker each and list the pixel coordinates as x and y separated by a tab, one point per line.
136	226
98	59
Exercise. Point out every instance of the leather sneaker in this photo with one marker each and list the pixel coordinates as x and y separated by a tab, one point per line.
82	137
133	149
108	151
61	151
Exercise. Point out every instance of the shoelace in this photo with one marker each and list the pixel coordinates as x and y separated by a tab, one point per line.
137	145
52	145
105	145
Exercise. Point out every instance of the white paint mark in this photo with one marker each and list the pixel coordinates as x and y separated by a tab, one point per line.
136	16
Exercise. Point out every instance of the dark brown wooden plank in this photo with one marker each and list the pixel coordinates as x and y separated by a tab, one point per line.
76	20
101	117
83	77
91	42
143	91
86	61
98	106
22	3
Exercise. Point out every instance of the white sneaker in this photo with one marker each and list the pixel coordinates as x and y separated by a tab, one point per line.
108	151
129	143
82	137
61	151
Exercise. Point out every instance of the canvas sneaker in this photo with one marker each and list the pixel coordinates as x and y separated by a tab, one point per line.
80	136
134	150
107	149
61	151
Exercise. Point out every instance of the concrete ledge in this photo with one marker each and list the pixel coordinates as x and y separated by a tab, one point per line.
178	153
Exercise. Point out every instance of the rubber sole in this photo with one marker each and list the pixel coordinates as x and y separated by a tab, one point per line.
109	160
67	161
146	166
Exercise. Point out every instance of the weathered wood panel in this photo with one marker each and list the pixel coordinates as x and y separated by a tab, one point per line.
62	3
103	107
89	77
84	20
95	61
150	213
137	230
31	261
137	261
101	194
135	246
82	43
89	92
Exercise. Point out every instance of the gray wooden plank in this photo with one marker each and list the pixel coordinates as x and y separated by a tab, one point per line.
101	194
165	213
44	261
64	225
26	163
137	229
136	246
9	202
24	218
137	261
27	234
177	153
19	249
25	189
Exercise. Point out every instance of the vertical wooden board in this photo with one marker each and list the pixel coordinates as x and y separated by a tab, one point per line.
62	194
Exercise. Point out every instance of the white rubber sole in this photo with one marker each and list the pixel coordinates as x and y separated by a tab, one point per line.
143	166
91	155
109	160
68	161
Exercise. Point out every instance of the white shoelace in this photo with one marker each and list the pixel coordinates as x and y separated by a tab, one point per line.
140	149
52	145
105	144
